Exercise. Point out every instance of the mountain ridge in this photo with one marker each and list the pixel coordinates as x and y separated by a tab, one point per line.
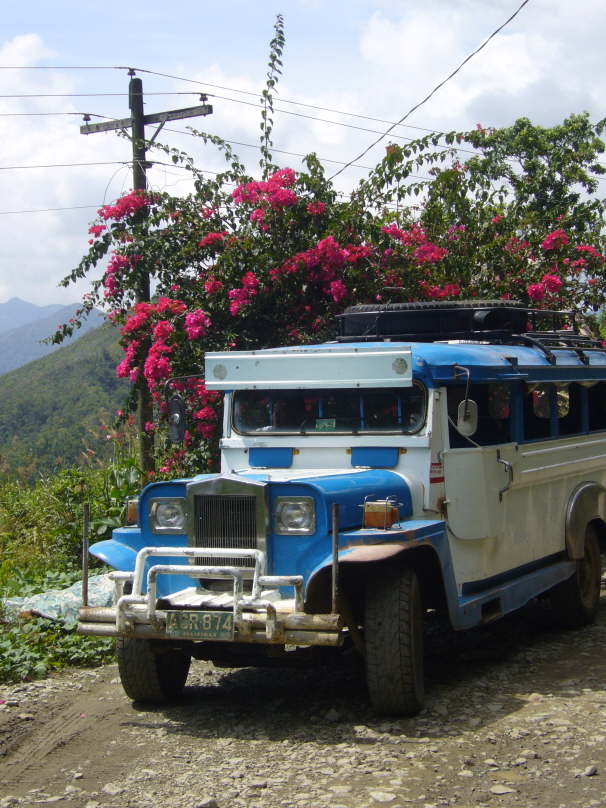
17	312
24	343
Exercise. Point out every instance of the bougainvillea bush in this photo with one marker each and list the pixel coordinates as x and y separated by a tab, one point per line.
245	262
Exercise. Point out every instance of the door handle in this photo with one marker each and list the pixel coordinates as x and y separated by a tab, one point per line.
509	469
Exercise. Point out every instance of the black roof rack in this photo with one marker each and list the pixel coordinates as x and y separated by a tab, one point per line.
495	321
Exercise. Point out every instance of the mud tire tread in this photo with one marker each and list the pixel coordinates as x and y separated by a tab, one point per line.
150	676
394	644
574	608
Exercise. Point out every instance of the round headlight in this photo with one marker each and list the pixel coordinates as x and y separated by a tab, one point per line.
169	515
295	515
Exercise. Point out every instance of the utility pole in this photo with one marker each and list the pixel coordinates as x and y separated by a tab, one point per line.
136	123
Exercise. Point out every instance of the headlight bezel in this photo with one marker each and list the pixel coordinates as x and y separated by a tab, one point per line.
158	503
282	505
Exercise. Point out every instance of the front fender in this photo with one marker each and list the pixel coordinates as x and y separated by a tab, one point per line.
369	546
119	554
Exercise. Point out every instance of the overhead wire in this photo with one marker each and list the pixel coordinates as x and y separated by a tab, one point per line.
435	89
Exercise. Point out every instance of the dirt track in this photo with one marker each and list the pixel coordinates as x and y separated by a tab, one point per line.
516	715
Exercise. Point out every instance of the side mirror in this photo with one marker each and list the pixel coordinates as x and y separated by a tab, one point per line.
176	419
467	417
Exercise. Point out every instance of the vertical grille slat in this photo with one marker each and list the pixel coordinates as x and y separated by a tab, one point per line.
226	520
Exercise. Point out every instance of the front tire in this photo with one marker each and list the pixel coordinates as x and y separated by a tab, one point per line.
150	673
576	600
393	631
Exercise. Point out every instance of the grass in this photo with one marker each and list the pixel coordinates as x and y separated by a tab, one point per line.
40	549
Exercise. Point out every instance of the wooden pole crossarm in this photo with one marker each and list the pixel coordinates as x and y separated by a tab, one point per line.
157	117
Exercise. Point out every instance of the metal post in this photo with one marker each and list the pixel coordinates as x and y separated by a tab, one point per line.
335	556
85	530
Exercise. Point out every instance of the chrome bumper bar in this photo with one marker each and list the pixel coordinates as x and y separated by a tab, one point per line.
257	617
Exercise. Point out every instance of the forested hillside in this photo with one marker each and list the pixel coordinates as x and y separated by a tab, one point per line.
52	408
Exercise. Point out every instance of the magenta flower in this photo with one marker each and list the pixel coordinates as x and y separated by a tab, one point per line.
429	253
212	285
162	330
536	292
316	208
213	239
555	240
338	290
197	323
553	283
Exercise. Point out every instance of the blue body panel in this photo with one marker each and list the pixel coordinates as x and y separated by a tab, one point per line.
272	457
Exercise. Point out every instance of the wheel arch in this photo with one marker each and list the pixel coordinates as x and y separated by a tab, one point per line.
586	505
354	576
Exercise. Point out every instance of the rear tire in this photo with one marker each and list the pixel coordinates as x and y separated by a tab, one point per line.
393	631
150	675
576	600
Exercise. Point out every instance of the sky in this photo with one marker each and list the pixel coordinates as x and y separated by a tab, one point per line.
354	58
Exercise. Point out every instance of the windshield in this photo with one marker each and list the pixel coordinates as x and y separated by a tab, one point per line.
400	410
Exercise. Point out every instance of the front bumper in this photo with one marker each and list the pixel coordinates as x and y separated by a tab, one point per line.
262	616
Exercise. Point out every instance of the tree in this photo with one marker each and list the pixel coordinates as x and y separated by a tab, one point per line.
508	213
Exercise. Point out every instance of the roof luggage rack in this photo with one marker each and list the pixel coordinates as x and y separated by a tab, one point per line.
504	322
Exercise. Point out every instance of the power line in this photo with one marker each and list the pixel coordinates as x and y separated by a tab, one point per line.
88	95
48	210
63	67
256	94
66	165
46	114
435	89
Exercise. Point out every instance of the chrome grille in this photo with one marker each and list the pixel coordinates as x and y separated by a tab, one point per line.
225	520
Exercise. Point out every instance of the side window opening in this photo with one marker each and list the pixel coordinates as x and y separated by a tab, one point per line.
494	409
537	411
596	394
571	420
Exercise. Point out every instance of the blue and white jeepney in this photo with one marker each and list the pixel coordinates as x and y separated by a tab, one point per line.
448	458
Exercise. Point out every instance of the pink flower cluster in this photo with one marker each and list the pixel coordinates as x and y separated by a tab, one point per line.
241	296
126	368
440	292
316	208
515	245
117	264
126	205
323	264
206	422
197	324
587	248
416	234
429	253
550	284
96	229
212	285
275	193
554	240
213	239
454	230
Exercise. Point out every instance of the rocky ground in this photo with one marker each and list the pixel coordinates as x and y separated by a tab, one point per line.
516	716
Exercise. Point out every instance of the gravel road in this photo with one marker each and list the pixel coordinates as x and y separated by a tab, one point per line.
516	716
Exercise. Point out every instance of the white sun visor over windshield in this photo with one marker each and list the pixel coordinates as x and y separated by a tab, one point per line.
293	368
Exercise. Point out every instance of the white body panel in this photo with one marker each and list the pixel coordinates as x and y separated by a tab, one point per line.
331	366
488	535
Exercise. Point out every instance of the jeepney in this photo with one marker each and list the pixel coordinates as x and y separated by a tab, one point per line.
444	457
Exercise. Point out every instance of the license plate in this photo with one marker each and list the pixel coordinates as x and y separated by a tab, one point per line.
200	625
